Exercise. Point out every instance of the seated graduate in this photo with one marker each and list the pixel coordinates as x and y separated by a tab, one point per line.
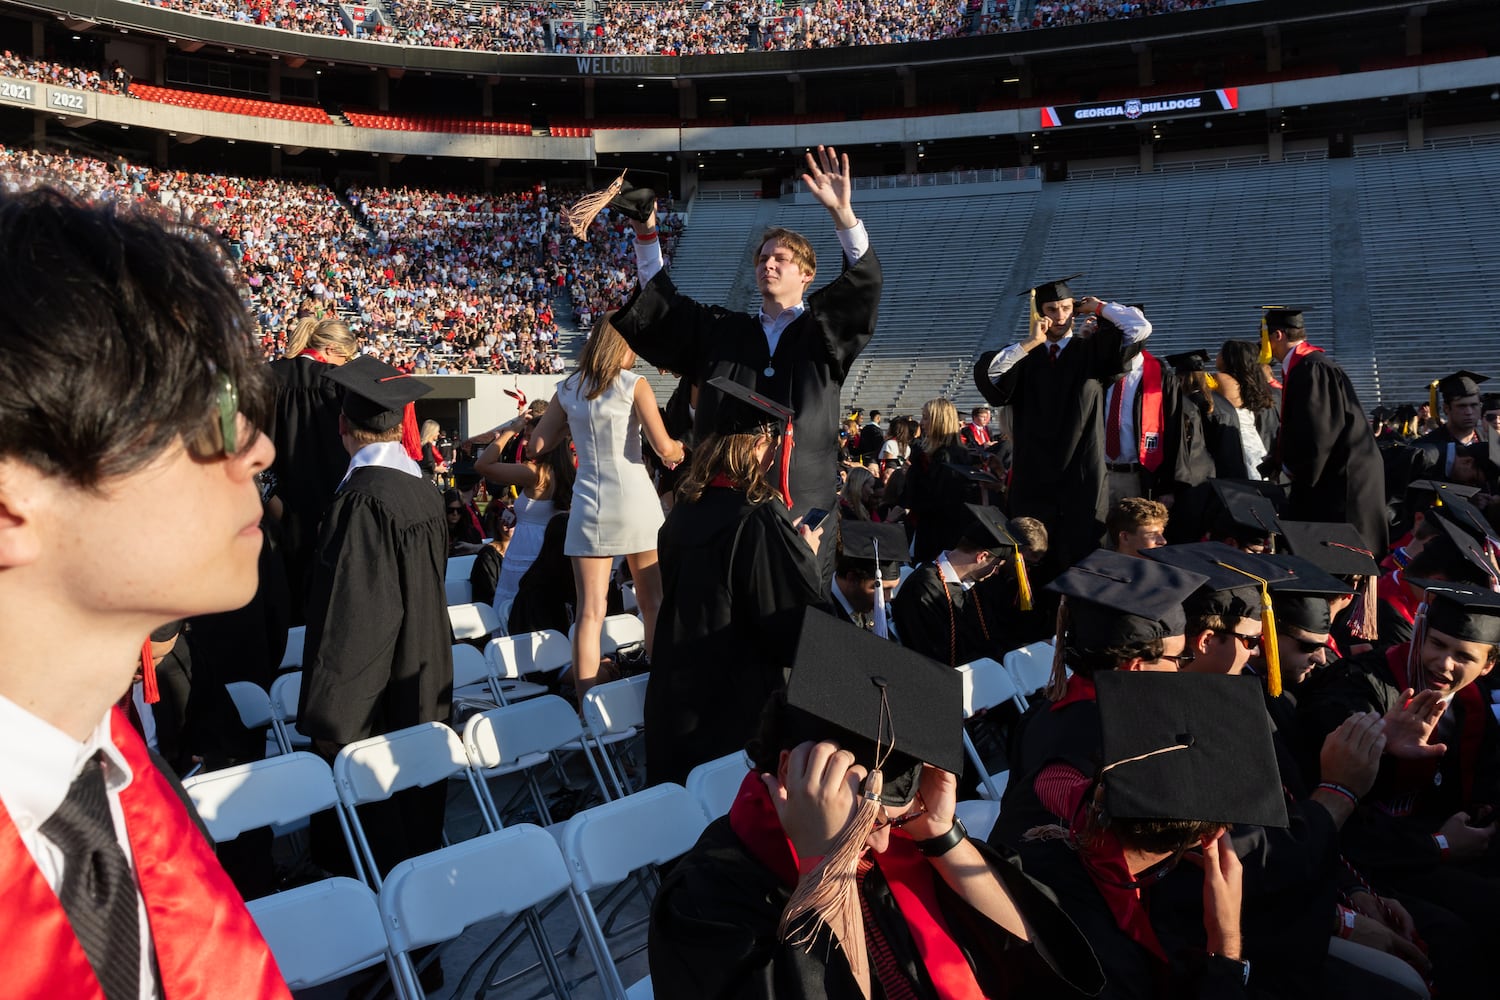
1187	756
1338	550
865	573
842	870
1118	613
1426	829
940	610
735	570
1451	554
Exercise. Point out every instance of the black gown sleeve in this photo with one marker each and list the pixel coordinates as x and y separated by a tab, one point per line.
920	613
1313	418
665	327
845	311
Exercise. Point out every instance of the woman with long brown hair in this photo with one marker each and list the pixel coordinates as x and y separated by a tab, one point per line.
1243	384
734	574
615	510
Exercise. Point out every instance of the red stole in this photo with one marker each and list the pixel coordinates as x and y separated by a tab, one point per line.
1080	688
315	354
1392	590
1473	710
753	819
1151	421
1298	351
207	946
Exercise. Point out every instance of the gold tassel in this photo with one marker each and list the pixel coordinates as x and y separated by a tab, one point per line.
830	893
1034	314
1023	583
1432	388
1057	684
581	214
1210	381
1265	340
1268	643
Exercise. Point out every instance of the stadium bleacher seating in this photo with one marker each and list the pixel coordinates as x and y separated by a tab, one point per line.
231	105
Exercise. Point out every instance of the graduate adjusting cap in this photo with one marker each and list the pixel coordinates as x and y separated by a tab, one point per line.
1301	596
1053	291
1227	594
861	540
375	394
1188	747
1466	613
863	692
1188	362
1459	384
1114	600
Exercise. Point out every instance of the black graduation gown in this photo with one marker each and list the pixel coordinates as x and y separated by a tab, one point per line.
735	575
925	624
1184	462
714	923
1071	735
1221	432
1327	447
813	355
485	574
1057	414
310	462
379	647
935	495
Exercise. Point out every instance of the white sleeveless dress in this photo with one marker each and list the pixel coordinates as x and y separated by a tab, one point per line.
615	509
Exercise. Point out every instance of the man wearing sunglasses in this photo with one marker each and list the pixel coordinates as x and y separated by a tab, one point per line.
128	454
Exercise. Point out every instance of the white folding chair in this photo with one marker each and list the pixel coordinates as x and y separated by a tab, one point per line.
459	567
275	792
296	637
979	816
1030	667
472	621
517	739
607	843
618	630
627	596
254	708
615	712
507	873
905	572
323	931
510	656
986	684
459	592
374	769
715	783
286	692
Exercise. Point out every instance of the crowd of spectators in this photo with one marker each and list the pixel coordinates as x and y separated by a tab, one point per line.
114	80
431	281
674	27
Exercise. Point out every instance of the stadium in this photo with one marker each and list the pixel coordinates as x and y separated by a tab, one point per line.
1202	162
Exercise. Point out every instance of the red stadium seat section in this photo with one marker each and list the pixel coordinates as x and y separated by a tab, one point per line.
231	105
396	122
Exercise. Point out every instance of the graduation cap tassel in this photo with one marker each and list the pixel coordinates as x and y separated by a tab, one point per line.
785	484
1365	612
1416	678
150	693
581	214
1057	684
882	623
1432	388
1023	583
1265	341
1268	643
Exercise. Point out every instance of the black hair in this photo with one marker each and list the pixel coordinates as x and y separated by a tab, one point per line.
116	329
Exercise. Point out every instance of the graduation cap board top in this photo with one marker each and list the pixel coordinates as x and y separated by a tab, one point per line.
634	199
1461	383
1188	362
1051	291
1116	600
1228	594
1188	747
1336	548
742	410
1467	546
1441	489
1469	614
864	693
375	394
1243	513
875	546
1282	317
1301	595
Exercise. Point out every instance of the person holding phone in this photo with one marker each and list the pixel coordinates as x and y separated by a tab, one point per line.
736	569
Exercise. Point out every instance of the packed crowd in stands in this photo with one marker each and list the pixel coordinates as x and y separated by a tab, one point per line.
685	28
433	281
114	80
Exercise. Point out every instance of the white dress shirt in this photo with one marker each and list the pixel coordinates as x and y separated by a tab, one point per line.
40	763
1131	321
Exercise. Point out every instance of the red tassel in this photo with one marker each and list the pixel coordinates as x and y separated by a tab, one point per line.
149	691
411	435
786	466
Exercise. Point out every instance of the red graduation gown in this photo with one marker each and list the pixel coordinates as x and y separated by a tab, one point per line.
206	943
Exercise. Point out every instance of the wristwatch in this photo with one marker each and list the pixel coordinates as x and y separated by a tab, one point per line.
1243	963
936	847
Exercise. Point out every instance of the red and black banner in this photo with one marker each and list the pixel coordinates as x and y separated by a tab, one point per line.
1138	109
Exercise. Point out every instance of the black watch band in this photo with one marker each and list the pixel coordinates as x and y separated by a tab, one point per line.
936	847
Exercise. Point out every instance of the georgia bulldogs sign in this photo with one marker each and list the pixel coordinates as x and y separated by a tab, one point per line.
1135	109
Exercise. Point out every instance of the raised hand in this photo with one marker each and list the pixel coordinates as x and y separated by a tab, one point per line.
1223	891
1351	753
1409	725
815	795
829	180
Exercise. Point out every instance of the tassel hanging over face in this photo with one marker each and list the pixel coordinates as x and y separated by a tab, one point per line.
1432	388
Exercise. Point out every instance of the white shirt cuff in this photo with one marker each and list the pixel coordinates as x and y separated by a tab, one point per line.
855	241
647	260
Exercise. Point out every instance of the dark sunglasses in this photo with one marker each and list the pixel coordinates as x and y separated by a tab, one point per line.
882	821
220	436
1181	659
1308	646
1250	642
455	510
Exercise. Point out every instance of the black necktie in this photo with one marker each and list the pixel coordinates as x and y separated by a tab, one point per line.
98	890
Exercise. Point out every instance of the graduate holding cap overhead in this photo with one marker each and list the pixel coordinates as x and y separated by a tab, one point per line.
1054	383
378	653
1326	446
735	570
842	870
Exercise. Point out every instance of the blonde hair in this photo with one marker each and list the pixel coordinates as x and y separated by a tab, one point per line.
942	423
801	250
854	489
602	359
729	455
322	335
430	431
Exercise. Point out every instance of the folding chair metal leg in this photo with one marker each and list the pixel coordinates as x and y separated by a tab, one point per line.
593	936
984	775
544	954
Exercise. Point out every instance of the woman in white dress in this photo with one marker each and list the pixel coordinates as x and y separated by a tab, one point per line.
544	486
615	511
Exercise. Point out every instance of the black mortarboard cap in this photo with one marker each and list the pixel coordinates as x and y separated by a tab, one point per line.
1441	491
1283	317
375	394
1188	747
638	193
1467	613
976	475
1460	383
1115	600
1336	548
986	525
859	541
1227	594
1466	552
1188	362
1301	596
1242	513
834	692
1052	291
742	410
1462	512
